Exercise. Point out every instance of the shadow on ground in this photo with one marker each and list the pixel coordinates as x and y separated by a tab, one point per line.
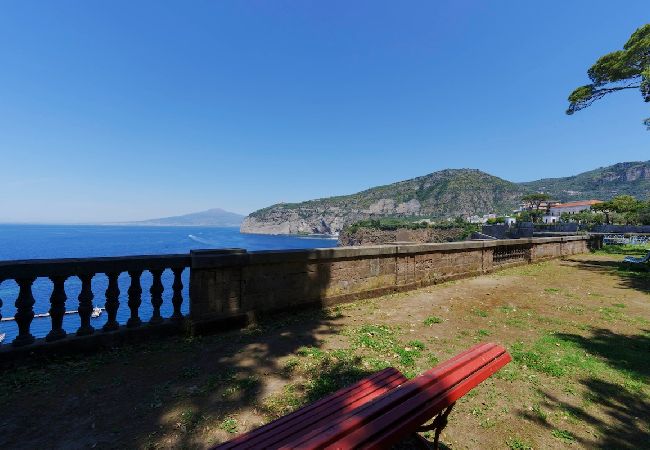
629	276
177	392
162	394
623	420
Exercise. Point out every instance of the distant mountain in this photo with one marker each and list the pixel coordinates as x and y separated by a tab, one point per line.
631	178
444	194
447	193
215	217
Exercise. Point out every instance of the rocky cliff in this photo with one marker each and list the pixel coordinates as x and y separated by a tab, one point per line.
630	178
448	193
445	194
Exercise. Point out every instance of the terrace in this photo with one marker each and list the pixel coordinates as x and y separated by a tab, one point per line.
578	329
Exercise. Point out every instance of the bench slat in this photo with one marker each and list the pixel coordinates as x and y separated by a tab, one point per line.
409	416
410	399
278	432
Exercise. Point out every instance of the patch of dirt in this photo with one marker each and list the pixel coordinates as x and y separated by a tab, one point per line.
576	328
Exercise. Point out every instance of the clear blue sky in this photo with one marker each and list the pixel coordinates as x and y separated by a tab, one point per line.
120	110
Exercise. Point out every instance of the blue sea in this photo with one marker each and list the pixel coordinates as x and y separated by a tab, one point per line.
77	241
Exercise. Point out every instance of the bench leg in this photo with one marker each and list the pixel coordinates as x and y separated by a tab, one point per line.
438	423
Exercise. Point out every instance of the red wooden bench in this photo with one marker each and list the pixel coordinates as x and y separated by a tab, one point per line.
379	410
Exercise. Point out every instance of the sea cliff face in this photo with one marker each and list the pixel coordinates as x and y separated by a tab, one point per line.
322	219
448	193
444	194
295	221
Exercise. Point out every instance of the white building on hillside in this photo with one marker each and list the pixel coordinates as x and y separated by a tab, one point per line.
573	207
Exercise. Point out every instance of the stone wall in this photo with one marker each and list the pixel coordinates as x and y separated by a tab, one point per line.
223	287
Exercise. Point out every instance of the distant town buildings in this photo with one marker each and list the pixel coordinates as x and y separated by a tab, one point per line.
572	207
553	210
481	219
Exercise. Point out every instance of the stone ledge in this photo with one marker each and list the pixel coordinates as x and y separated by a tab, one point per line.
207	259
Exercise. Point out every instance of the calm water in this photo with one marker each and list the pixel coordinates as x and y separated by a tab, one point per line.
65	241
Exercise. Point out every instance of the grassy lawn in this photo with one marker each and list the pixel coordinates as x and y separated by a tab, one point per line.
624	249
578	331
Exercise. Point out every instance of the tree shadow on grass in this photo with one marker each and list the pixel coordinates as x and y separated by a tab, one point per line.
624	413
631	277
627	353
622	421
173	393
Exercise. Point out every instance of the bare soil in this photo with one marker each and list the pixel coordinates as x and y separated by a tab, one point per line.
578	329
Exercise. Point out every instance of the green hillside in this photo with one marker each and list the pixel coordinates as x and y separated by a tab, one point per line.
445	194
631	178
442	194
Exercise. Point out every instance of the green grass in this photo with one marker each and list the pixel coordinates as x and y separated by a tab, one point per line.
610	314
554	356
189	420
537	410
229	424
564	357
623	249
319	372
431	320
563	435
518	444
479	312
374	337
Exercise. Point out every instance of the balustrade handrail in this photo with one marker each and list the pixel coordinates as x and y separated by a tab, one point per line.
13	269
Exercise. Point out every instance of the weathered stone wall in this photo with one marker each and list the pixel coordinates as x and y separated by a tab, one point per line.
224	286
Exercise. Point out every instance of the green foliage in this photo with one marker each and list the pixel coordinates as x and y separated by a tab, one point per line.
625	209
480	312
390	224
620	70
602	183
624	249
229	425
400	223
586	217
451	193
533	201
431	320
518	444
441	195
563	435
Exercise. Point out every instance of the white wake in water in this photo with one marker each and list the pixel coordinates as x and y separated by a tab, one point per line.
202	241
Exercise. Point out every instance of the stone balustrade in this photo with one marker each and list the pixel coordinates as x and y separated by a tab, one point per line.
26	272
230	287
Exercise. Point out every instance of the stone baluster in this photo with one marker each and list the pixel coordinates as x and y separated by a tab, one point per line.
24	311
156	291
85	305
135	298
57	308
112	301
177	297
